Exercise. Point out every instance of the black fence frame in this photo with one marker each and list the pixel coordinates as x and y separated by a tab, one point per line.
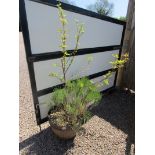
31	58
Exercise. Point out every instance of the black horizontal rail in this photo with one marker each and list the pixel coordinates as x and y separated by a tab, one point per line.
59	54
51	89
80	11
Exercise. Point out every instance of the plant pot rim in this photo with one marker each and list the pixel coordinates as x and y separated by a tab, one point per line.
62	132
56	126
59	127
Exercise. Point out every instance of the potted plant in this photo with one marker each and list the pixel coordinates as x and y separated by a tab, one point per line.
70	104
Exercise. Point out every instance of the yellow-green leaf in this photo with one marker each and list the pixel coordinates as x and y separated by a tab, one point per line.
106	82
66	53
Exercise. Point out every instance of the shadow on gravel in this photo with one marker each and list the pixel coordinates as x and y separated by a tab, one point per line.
118	108
45	143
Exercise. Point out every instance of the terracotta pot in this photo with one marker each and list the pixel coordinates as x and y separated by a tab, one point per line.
63	133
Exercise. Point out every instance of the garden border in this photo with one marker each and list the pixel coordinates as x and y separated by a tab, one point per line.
53	55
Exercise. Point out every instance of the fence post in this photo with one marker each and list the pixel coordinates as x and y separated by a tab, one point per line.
126	76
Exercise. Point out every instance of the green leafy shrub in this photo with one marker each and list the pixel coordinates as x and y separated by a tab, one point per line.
71	103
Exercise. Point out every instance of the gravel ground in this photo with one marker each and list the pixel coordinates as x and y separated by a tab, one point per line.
109	132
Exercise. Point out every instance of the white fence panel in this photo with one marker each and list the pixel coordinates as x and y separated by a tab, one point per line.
43	22
40	24
43	68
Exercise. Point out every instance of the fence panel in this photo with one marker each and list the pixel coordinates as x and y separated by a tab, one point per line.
102	38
